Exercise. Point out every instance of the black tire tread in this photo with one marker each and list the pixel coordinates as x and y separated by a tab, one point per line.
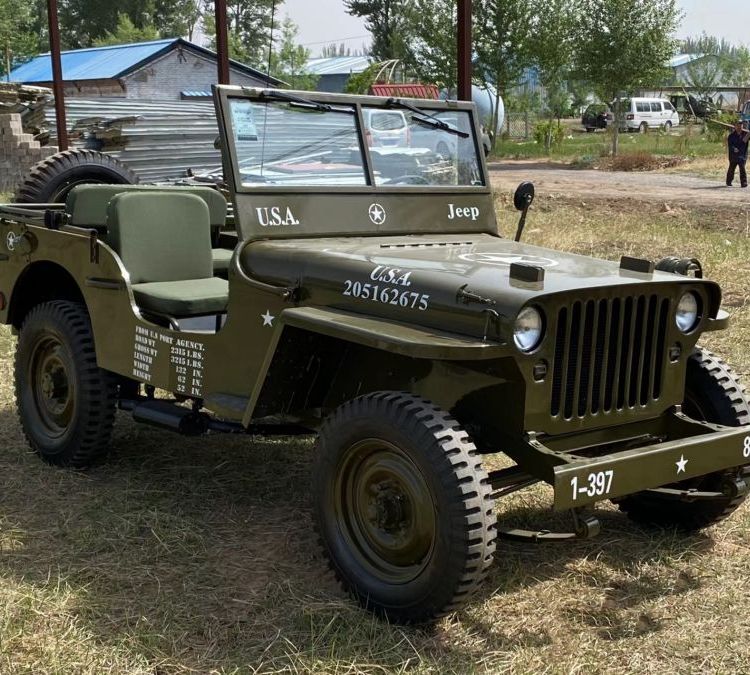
459	463
34	185
98	388
727	395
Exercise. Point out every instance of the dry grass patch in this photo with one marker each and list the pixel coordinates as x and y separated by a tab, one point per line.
198	556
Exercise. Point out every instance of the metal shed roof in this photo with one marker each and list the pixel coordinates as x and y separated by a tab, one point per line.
112	62
338	65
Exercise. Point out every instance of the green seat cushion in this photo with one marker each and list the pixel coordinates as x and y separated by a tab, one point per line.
183	298
161	236
87	204
221	258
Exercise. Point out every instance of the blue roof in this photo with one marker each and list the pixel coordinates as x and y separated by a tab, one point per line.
110	62
97	63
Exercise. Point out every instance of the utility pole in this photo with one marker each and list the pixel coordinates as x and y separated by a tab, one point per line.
57	75
222	40
464	50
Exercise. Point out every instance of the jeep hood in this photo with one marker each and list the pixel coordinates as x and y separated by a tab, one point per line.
459	273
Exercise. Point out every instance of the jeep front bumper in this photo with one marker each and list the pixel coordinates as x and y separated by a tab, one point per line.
693	449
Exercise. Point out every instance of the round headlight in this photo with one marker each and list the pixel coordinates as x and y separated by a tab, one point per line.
686	316
527	331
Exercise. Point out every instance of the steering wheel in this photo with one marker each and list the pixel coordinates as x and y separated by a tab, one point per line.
409	179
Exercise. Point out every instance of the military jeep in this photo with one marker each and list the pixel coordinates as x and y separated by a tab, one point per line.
367	296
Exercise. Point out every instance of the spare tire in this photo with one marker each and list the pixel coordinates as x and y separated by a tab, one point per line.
52	179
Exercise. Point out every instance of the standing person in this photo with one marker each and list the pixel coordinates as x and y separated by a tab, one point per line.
737	145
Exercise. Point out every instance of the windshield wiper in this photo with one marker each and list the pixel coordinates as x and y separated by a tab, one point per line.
299	102
425	119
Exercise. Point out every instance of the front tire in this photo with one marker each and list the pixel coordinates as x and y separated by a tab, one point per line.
66	403
403	506
714	394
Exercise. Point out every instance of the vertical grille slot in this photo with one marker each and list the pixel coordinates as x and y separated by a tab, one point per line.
609	355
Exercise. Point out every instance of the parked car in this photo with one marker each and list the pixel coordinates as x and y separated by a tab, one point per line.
596	116
642	114
386	128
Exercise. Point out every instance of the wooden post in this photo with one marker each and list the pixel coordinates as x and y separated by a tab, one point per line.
464	50
57	75
222	41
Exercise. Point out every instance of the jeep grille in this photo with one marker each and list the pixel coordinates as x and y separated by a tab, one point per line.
609	355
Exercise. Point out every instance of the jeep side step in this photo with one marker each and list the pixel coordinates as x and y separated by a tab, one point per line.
167	414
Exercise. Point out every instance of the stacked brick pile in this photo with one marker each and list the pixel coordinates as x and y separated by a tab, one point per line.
18	152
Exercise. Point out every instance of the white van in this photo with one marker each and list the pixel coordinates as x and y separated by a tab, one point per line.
642	114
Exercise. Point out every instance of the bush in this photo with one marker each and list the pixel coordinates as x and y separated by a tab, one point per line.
552	130
715	132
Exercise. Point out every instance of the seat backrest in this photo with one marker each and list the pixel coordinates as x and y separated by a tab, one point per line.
87	204
161	236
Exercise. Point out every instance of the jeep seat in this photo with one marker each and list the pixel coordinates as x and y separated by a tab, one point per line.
164	242
87	207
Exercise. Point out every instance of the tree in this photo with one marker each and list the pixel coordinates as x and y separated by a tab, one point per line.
360	83
18	40
704	74
624	45
249	23
431	26
82	22
289	61
126	33
552	45
386	21
179	18
502	41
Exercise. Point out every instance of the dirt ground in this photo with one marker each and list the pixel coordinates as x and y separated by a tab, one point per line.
671	188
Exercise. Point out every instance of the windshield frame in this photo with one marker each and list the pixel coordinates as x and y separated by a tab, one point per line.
231	156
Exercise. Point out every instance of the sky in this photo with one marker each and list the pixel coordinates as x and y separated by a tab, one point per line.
324	21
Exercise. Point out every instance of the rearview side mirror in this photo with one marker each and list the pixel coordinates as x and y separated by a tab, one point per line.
522	200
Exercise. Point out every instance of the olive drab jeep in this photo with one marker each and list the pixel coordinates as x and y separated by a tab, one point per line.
361	291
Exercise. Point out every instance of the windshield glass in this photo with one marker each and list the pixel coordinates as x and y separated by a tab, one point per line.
286	145
408	149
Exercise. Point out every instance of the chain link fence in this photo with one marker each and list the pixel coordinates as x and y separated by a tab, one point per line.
520	125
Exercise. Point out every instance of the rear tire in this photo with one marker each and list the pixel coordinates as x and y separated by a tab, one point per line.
643	129
66	403
51	180
403	506
714	394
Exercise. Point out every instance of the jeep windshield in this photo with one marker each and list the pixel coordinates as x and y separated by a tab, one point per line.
285	141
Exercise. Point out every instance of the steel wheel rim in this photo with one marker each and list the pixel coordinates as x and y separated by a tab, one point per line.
53	385
385	511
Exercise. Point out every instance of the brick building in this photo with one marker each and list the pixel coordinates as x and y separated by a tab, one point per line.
162	69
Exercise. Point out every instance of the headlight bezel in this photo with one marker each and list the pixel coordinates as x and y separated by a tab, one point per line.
683	327
529	348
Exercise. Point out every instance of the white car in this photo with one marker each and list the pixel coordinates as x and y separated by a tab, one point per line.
386	128
642	114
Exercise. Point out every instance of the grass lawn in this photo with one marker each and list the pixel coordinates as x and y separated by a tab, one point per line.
582	147
198	556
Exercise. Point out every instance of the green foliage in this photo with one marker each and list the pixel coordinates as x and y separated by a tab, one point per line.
360	83
625	44
289	61
716	132
549	133
126	32
431	26
18	32
178	18
387	21
552	44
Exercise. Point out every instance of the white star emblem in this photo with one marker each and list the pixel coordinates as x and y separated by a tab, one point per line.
267	318
682	464
10	241
377	214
